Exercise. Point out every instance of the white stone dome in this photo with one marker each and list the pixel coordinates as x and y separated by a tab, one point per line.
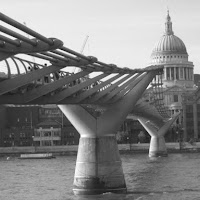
169	43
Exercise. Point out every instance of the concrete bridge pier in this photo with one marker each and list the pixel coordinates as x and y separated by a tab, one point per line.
157	147
157	142
98	166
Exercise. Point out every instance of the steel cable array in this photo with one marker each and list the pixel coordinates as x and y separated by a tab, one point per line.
158	96
49	84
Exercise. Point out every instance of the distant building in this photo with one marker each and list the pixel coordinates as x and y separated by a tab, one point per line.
177	83
35	125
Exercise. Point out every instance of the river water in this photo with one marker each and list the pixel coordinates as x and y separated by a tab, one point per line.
175	177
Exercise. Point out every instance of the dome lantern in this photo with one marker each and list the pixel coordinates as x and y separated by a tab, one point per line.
168	25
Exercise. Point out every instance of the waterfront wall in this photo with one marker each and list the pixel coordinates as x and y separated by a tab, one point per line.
72	149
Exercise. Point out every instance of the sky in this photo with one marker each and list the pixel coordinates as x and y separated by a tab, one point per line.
121	32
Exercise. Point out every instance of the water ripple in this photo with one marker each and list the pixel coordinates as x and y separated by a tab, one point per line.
174	177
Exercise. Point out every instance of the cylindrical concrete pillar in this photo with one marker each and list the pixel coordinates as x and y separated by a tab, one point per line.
98	167
157	146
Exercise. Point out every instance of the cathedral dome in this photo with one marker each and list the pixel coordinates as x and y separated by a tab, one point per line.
171	52
169	43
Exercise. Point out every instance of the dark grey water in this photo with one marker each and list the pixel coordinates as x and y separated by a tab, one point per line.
175	177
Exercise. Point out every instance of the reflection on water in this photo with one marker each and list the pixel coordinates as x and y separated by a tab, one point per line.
174	177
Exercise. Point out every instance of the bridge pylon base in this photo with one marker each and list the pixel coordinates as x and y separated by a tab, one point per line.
98	167
157	147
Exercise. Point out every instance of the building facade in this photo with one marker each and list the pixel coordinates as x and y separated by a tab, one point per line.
35	126
177	83
177	80
191	113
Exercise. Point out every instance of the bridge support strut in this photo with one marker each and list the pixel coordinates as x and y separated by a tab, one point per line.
157	142
98	167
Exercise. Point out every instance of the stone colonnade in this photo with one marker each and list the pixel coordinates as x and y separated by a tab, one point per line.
178	73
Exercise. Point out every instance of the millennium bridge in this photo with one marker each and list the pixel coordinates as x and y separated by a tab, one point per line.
96	100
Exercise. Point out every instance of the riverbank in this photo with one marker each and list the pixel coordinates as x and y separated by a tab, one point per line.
72	149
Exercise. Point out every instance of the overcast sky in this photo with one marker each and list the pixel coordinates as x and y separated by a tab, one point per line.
122	32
